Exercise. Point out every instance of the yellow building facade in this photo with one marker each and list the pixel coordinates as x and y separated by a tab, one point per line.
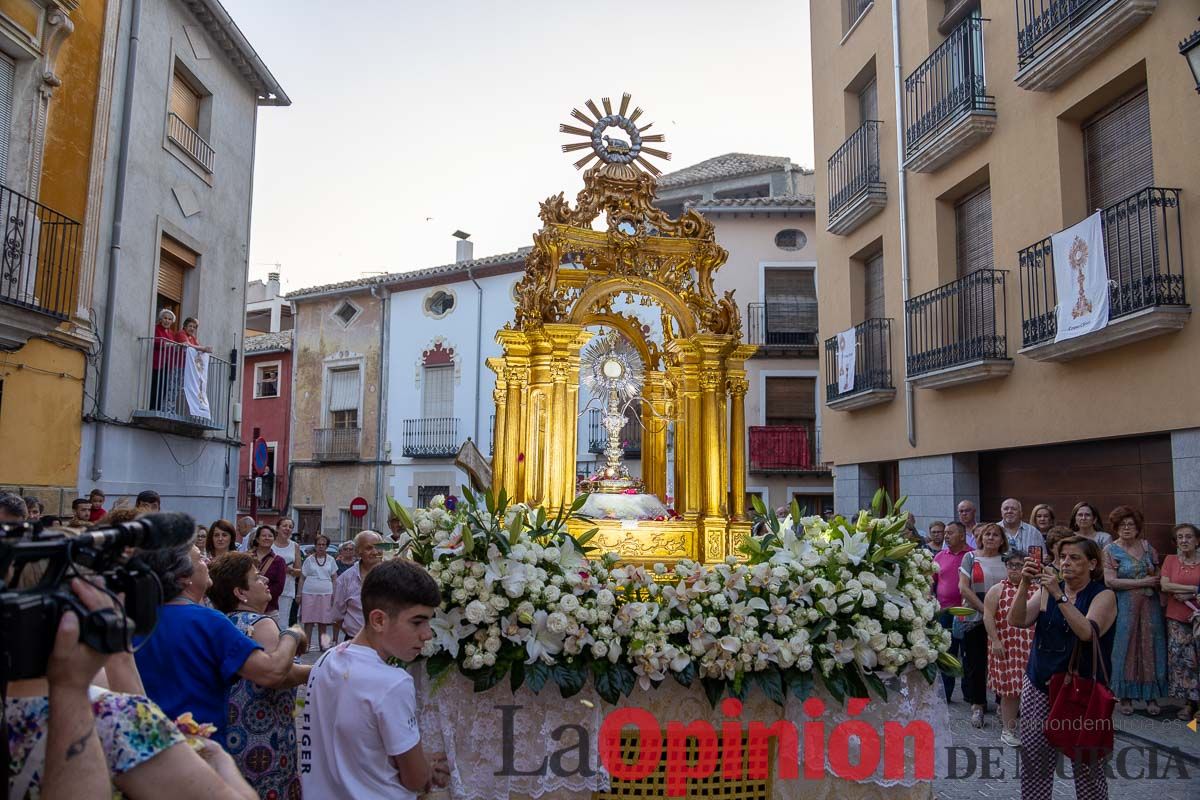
56	60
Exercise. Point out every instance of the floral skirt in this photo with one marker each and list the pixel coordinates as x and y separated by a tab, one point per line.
1183	662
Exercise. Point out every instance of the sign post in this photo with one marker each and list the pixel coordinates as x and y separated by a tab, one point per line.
358	507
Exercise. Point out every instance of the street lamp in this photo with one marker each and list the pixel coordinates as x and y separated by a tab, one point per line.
1189	48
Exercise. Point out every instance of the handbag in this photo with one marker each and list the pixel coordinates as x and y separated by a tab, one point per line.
1080	724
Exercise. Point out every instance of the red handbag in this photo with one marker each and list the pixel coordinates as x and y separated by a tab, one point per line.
1080	722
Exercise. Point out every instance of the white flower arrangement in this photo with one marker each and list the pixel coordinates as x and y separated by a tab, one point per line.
848	601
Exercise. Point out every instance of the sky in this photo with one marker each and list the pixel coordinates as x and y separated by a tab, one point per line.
411	120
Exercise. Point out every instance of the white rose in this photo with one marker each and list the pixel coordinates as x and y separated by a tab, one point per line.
551	593
869	599
491	645
568	603
828	605
711	625
498	602
438	500
556	622
476	612
599	650
906	614
890	611
470	584
604	597
426	525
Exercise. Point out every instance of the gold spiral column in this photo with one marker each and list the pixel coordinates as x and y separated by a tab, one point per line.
654	437
499	398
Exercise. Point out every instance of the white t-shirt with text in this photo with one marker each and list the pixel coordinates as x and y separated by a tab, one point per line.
358	713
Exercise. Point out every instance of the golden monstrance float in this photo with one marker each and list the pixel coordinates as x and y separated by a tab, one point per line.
690	381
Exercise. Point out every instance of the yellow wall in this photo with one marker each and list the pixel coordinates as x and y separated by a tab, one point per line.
41	414
40	417
1036	182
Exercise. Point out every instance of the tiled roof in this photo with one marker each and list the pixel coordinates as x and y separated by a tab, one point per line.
400	278
225	32
786	202
267	342
730	165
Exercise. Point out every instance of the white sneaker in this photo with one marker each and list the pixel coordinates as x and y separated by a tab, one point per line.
1011	739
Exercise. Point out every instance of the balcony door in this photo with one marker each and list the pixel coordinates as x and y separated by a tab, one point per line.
792	402
868	102
791	307
437	393
1117	147
873	291
974	252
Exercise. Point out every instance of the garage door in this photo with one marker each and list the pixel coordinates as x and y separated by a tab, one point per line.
1107	473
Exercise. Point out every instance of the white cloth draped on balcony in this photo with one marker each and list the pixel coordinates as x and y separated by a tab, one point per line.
1080	278
847	346
195	383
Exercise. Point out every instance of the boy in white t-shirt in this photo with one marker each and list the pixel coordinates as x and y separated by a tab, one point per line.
359	735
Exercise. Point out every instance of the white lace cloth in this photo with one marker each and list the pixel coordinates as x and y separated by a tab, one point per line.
470	729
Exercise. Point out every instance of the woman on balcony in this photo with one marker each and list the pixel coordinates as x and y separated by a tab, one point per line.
270	566
166	372
1140	647
188	335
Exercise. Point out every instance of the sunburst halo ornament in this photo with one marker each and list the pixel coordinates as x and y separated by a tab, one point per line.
610	363
612	149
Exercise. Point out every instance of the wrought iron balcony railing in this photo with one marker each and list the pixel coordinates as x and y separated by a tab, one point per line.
784	324
336	444
854	167
39	259
947	86
1041	22
192	142
174	387
1143	246
786	449
270	494
631	435
432	437
958	323
872	360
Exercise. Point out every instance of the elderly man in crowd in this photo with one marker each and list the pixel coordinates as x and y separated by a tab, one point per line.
244	526
1021	535
968	516
347	591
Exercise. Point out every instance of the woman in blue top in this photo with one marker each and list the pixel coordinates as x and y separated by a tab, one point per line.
1063	612
195	653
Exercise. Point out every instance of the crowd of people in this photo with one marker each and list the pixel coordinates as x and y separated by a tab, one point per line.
208	700
1014	575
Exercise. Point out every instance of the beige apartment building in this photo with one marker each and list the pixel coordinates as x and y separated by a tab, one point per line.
762	211
1010	121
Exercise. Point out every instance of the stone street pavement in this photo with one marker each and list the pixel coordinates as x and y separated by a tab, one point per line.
1155	759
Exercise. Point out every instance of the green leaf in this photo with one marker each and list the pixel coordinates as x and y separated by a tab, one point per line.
570	678
490	501
516	675
436	664
713	689
876	685
771	683
485	678
536	675
820	627
586	537
514	527
608	684
759	507
800	684
794	508
578	504
687	676
468	541
930	672
540	519
835	684
468	495
877	502
625	676
854	681
739	687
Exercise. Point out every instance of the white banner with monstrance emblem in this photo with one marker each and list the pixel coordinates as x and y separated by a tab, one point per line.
847	346
1080	278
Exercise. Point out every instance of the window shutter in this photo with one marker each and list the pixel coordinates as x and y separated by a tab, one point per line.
791	401
343	389
170	278
185	103
437	398
973	232
868	102
791	300
7	73
1118	151
873	297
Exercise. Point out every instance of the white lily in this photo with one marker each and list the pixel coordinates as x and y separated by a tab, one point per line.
855	546
449	629
543	643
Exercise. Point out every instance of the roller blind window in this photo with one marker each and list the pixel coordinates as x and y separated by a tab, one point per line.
175	262
344	389
8	71
791	401
873	296
185	102
1117	148
791	300
973	232
437	398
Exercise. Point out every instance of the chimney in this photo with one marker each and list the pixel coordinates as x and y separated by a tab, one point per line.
272	284
464	249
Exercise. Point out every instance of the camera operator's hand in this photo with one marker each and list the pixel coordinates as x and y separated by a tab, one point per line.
72	663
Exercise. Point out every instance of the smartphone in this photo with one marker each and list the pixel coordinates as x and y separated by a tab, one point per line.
1035	552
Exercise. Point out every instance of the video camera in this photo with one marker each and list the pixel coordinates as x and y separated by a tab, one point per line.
29	617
